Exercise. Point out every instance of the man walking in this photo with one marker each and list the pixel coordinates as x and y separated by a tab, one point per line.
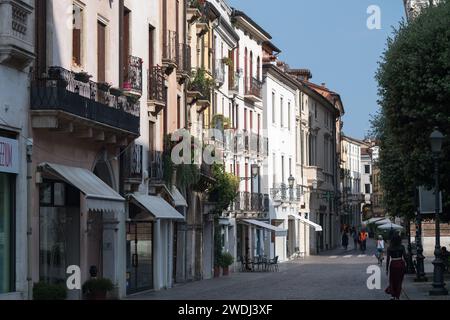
355	238
363	239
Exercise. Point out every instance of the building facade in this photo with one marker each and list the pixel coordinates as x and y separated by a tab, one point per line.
414	7
16	58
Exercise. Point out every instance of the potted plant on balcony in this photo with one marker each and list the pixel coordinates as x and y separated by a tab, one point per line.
104	86
202	84
227	61
116	92
82	76
225	262
97	288
56	73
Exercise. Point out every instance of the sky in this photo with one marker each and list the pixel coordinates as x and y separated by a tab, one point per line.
331	38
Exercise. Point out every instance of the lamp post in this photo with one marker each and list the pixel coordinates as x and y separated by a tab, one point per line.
420	269
291	182
439	289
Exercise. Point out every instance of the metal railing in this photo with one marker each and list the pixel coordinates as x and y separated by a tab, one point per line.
155	160
184	58
252	202
282	192
233	81
253	87
156	89
133	75
219	72
72	92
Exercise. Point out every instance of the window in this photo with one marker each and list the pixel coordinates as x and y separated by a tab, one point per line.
77	35
367	188
315	110
101	52
282	169
290	166
281	112
289	115
274	160
178	112
367	169
273	107
301	102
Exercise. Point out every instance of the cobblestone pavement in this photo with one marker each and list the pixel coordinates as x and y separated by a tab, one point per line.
334	275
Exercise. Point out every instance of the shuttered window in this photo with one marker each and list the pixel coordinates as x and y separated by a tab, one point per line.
77	32
101	54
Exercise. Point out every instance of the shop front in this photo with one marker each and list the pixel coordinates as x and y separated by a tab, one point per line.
81	219
9	169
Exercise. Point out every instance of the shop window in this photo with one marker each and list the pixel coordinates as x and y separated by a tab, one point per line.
7	234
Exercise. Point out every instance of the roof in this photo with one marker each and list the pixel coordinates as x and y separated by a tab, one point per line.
271	46
238	13
328	94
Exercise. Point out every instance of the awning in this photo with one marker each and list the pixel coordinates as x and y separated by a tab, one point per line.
178	198
264	225
316	226
157	206
99	196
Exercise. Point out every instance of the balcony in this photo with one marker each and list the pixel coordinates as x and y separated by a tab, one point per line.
195	9
132	82
251	202
67	101
314	176
155	161
132	170
219	72
253	90
282	193
157	95
183	62
170	51
16	34
199	90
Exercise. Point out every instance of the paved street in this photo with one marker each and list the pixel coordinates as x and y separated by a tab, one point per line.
337	274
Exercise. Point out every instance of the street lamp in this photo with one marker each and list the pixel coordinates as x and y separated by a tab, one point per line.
436	139
291	182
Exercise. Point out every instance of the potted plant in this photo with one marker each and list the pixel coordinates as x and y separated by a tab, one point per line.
227	61
104	86
82	76
116	92
226	261
49	291
96	289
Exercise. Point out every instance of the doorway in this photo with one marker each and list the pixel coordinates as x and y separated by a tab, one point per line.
139	256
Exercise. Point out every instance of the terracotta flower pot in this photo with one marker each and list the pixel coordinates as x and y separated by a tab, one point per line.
226	271
216	272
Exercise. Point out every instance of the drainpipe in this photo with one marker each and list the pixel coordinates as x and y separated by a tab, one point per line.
29	143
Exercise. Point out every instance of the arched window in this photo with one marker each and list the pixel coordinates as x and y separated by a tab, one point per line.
245	69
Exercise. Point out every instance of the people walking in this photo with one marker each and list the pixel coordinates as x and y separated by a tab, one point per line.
363	235
345	240
395	266
355	238
380	249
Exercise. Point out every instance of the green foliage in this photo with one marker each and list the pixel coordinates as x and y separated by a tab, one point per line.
226	259
220	122
227	61
202	83
224	190
48	291
414	90
97	285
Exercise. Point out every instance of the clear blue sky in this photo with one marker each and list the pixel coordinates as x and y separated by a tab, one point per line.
331	38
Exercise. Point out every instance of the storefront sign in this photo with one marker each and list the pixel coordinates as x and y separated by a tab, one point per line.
9	155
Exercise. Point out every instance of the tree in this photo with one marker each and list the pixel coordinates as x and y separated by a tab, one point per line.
414	90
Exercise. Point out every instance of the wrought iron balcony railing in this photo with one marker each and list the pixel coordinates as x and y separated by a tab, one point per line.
281	192
74	93
184	58
251	202
155	160
253	87
156	89
132	82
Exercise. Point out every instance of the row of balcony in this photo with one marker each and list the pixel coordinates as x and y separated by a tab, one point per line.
251	202
247	142
283	193
176	55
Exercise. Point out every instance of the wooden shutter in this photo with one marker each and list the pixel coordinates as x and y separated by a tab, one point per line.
41	37
76	46
101	54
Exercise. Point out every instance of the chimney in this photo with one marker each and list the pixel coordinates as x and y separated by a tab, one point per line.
324	85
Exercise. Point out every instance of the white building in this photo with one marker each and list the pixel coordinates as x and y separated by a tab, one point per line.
351	187
366	174
414	7
16	56
280	92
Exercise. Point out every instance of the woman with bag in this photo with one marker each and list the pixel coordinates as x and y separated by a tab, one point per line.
395	266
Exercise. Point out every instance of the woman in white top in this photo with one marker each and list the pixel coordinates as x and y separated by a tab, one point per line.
380	249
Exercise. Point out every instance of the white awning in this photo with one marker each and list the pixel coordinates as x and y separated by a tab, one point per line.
264	225
99	196
316	226
158	207
178	198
